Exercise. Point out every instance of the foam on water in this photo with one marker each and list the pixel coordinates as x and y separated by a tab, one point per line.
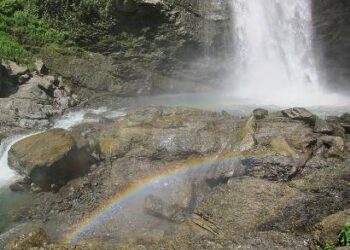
75	118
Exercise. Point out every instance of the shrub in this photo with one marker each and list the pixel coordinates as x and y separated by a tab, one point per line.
10	49
8	7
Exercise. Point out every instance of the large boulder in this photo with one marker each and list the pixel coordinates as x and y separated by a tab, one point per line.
301	114
50	158
168	133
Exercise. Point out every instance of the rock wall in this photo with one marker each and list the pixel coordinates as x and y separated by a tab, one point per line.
153	46
332	39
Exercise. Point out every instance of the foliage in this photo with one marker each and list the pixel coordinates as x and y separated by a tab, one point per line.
21	30
8	7
344	236
11	49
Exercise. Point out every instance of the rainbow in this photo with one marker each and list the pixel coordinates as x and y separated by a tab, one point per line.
111	206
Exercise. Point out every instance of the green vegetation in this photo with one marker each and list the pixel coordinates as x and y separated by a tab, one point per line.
327	247
344	236
11	49
95	25
21	31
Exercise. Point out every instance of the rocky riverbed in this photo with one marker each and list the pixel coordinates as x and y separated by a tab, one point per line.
182	178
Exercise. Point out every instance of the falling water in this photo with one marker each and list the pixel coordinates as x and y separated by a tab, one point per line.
273	55
6	173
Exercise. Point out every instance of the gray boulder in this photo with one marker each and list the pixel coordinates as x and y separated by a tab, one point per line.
260	113
299	114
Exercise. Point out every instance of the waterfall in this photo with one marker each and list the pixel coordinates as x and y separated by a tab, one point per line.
273	53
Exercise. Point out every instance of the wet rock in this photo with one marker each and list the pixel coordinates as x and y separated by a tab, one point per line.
260	113
300	114
19	185
34	239
155	206
321	126
54	157
167	133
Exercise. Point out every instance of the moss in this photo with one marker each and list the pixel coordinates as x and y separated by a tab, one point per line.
280	146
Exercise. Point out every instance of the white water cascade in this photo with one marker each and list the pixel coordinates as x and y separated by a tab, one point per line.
273	54
6	173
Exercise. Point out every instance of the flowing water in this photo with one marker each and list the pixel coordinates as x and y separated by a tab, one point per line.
274	60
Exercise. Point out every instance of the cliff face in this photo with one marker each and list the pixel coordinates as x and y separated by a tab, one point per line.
145	46
332	39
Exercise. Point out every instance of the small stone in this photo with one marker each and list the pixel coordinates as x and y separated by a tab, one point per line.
59	93
40	67
23	78
260	113
54	188
35	188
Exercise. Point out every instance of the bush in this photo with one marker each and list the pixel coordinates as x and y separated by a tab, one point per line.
21	30
8	7
10	49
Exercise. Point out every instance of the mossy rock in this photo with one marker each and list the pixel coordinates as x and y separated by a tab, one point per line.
52	157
